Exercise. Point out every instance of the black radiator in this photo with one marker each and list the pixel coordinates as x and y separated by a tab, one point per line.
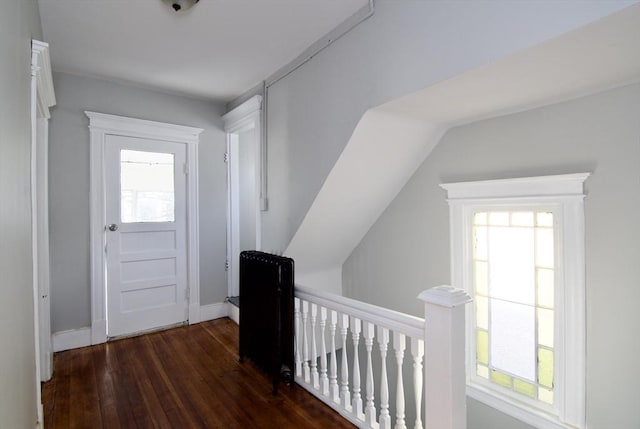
266	313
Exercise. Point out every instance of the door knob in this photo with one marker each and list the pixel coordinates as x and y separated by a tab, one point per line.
113	227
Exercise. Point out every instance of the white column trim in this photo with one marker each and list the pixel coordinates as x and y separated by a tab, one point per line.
102	125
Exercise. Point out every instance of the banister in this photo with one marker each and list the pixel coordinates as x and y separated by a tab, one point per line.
406	324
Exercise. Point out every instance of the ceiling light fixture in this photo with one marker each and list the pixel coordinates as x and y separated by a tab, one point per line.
180	5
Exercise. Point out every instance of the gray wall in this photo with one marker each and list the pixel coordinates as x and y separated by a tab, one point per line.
406	46
19	23
407	250
69	186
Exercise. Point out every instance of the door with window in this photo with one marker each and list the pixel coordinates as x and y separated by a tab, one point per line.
146	261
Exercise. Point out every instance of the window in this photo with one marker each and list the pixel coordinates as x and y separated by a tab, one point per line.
146	187
517	247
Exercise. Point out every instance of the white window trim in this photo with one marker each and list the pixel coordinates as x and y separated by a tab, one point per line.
565	194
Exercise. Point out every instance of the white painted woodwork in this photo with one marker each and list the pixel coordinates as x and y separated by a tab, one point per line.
399	345
369	409
146	261
444	374
356	327
345	396
439	384
564	196
243	126
324	380
409	325
334	389
417	353
305	342
298	336
103	127
383	343
42	98
315	377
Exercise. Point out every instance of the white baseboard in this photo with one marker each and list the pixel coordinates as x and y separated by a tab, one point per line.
71	339
234	313
213	311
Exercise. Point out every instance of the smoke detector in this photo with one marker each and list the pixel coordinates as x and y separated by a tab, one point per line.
180	5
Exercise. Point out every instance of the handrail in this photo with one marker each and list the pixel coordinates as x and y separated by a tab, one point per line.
433	347
411	326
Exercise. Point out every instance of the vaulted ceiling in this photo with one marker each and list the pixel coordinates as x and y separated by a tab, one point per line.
216	50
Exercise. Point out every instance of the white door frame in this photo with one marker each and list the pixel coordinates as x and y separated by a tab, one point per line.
245	117
42	97
101	125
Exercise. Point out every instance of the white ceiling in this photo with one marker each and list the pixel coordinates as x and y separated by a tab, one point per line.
217	50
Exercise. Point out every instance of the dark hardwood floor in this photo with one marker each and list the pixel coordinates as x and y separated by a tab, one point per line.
186	377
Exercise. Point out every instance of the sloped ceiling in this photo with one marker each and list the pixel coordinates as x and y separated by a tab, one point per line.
216	50
391	141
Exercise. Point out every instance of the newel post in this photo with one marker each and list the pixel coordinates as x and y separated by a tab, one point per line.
444	361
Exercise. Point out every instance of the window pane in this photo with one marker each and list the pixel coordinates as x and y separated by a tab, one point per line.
146	187
545	327
544	247
545	287
522	219
482	312
545	395
483	371
482	277
511	264
480	250
501	379
545	367
525	388
499	218
544	219
513	338
480	219
482	347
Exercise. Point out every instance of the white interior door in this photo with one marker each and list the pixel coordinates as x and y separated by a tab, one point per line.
146	260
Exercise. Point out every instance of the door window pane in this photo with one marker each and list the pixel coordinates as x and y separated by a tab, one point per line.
147	190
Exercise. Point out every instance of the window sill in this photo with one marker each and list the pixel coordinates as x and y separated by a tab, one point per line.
515	409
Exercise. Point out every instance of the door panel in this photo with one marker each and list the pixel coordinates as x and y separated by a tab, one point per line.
146	234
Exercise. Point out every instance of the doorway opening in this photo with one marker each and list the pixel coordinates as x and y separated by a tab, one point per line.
244	159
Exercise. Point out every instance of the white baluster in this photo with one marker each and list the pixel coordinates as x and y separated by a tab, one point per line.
417	351
345	397
356	328
324	381
305	342
334	390
399	345
296	318
314	351
370	408
383	341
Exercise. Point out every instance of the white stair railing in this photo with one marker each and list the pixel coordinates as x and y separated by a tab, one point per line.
438	384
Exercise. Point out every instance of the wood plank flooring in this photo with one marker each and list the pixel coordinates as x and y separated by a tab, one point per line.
186	377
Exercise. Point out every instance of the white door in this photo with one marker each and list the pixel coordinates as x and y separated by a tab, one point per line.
146	259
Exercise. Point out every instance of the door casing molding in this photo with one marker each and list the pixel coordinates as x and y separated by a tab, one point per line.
247	116
101	125
42	98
